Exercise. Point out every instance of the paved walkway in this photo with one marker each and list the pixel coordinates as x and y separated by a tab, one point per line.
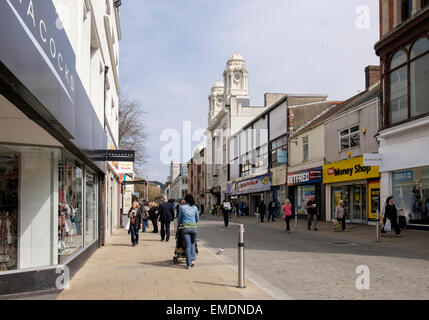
146	272
412	239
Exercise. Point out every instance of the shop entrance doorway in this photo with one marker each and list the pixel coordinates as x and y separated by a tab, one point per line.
354	197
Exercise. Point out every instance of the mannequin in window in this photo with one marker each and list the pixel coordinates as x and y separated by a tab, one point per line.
417	201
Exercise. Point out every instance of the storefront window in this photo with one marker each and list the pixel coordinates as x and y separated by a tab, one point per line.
70	188
411	192
27	183
9	173
419	78
302	196
354	197
91	207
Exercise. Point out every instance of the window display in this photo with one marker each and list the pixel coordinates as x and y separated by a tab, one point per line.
91	207
302	196
69	207
9	173
411	193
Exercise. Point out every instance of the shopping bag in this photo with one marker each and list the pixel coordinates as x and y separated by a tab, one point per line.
128	225
387	226
336	226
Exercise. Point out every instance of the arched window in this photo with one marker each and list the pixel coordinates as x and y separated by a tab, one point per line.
419	77
398	87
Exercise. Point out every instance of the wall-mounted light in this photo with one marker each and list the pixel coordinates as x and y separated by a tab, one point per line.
364	129
350	154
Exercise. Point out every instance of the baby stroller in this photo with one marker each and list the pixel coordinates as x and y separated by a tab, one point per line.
179	251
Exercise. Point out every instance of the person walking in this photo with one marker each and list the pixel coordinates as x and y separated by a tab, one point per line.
287	212
272	206
340	214
145	215
226	210
391	213
313	212
187	219
153	216
166	215
246	209
135	219
262	210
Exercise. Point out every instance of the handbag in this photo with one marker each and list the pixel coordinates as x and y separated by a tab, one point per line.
388	226
336	226
127	227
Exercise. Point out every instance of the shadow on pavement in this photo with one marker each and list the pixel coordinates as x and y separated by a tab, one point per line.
214	284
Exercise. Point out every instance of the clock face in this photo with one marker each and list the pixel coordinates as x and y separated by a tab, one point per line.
219	100
237	77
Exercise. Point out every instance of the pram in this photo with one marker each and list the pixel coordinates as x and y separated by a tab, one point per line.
179	251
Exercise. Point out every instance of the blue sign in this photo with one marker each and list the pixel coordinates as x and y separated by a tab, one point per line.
282	156
403	176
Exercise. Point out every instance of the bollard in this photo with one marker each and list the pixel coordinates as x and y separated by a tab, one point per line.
241	280
257	217
296	221
377	224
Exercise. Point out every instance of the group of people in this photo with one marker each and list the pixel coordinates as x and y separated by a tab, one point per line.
187	215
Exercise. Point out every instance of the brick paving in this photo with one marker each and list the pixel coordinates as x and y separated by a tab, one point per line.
322	264
147	272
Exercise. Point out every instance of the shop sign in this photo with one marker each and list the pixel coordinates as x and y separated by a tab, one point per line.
372	159
403	176
258	184
120	155
125	168
282	156
349	170
309	176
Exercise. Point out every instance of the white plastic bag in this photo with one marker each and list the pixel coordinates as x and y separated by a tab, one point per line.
388	226
128	225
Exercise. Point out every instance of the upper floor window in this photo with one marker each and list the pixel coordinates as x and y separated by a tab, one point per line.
409	82
305	148
349	138
424	3
406	9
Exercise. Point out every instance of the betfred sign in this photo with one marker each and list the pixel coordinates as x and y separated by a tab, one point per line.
309	176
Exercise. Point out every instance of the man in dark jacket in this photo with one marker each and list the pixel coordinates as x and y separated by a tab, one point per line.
166	215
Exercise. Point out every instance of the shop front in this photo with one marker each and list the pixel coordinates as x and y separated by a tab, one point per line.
252	191
357	185
51	170
303	185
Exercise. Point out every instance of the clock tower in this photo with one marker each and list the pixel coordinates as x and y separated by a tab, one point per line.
236	77
216	99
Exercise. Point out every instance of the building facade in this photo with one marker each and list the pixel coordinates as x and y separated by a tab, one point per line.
229	110
54	92
197	177
404	117
349	134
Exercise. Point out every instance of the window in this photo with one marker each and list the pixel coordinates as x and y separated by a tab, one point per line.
424	3
305	148
261	155
408	82
245	165
419	78
90	207
406	9
349	138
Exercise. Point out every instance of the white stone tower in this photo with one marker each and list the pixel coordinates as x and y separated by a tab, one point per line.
236	77
216	99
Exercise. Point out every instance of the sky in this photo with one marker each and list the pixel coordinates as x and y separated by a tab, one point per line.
173	51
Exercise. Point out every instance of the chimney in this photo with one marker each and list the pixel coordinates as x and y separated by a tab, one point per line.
372	76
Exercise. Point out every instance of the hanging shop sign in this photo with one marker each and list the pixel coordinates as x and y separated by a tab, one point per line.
308	176
257	184
120	155
349	170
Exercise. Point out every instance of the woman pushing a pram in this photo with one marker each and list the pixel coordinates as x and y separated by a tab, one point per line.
186	235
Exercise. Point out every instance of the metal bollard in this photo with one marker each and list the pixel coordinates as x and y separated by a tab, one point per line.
257	217
296	221
377	224
241	279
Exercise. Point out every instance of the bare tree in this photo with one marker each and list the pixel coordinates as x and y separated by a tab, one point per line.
132	134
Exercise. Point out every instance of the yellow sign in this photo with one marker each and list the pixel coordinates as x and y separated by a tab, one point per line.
348	170
374	199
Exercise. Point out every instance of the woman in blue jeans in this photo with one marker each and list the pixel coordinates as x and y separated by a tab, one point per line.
188	219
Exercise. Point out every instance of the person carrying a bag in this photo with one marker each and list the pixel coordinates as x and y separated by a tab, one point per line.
391	214
135	219
287	210
340	214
